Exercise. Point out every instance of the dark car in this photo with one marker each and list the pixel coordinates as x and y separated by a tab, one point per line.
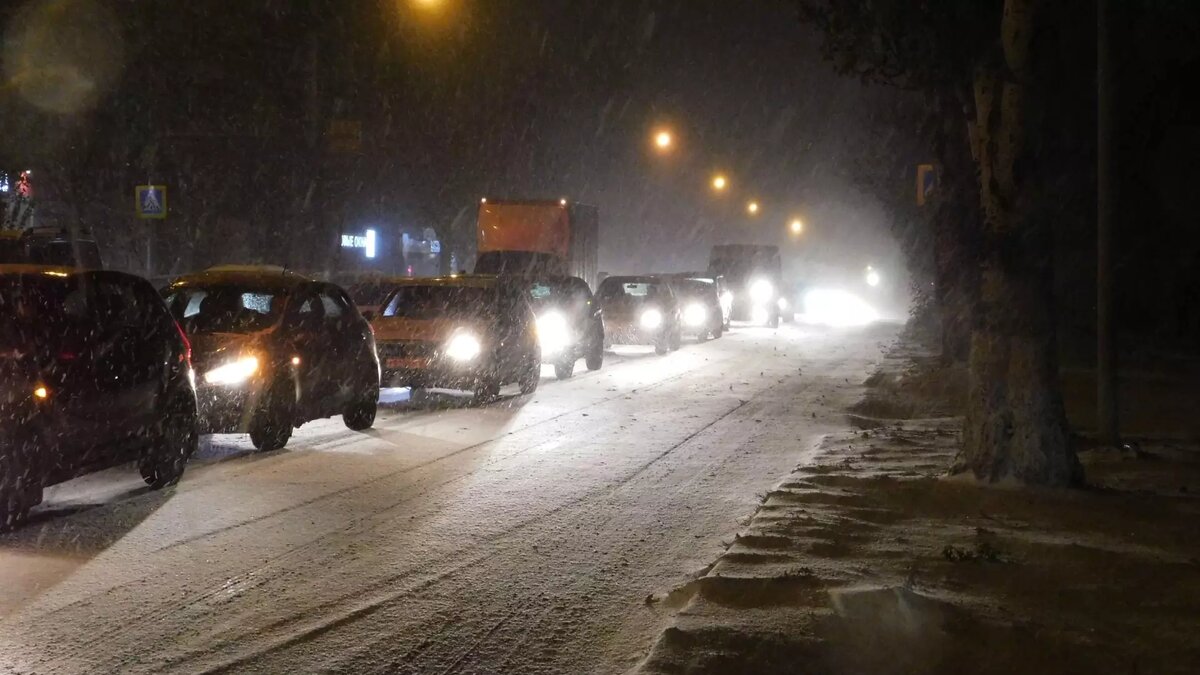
570	324
473	332
724	295
93	373
54	246
754	277
700	307
641	310
274	350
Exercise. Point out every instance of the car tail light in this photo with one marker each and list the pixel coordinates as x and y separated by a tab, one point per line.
186	357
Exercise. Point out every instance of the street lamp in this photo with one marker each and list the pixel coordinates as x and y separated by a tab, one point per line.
752	208
663	140
797	226
719	183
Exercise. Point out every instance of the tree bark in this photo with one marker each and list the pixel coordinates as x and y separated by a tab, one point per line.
1015	426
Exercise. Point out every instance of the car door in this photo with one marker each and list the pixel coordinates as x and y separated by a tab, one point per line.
342	336
304	336
126	356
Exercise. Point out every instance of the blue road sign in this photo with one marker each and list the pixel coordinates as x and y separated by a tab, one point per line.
151	201
926	182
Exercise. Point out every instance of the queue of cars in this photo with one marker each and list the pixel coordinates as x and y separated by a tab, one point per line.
98	368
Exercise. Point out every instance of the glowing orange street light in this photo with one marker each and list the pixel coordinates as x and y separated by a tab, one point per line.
663	140
797	226
752	208
719	183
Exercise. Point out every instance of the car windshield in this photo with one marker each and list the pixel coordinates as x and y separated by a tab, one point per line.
629	291
225	309
435	302
51	310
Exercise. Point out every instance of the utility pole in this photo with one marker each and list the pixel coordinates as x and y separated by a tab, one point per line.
1107	429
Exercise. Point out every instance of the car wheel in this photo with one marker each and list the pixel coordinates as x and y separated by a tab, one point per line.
360	412
702	336
271	426
676	339
595	357
176	442
532	377
564	369
718	332
16	498
773	321
662	345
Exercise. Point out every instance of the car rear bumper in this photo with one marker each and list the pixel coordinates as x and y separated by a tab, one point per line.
630	334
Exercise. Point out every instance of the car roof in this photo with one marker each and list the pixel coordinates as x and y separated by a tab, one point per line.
453	280
248	275
637	279
52	270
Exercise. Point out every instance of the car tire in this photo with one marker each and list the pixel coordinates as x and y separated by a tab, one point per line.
718	332
16	498
595	357
177	441
532	376
773	321
702	336
359	414
676	339
564	369
662	345
271	426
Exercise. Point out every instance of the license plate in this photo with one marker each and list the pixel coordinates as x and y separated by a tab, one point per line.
401	362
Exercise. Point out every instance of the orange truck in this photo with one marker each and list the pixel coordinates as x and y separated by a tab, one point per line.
538	237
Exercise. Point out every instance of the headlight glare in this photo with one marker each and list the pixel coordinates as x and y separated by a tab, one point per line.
234	372
761	291
651	319
553	332
463	347
695	314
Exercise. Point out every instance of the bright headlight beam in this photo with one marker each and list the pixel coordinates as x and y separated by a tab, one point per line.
463	347
695	314
761	291
553	332
234	372
837	308
651	319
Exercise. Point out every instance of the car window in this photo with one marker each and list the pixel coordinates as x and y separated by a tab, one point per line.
432	302
332	307
224	309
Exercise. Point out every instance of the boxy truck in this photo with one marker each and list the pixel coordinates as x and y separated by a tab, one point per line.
538	237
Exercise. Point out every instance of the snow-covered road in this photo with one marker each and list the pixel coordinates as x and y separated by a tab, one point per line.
519	537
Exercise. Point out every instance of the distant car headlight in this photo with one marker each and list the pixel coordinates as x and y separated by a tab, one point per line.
651	319
695	314
234	372
553	332
761	291
463	347
783	304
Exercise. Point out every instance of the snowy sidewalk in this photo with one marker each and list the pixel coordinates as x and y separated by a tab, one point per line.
867	560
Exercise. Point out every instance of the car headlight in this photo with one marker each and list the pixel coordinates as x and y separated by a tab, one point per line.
651	319
695	314
234	372
761	291
783	304
553	332
463	347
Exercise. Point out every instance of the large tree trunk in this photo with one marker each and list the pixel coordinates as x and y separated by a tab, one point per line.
1015	426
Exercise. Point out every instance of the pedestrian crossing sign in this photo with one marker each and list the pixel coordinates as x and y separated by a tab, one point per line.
151	201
